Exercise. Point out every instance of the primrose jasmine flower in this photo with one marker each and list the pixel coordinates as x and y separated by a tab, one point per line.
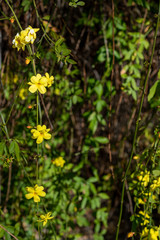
59	162
144	178
49	79
156	184
153	234
26	36
18	43
38	83
23	93
40	133
31	34
145	217
36	192
45	218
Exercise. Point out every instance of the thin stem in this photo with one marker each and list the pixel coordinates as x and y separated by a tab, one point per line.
137	126
14	15
8	232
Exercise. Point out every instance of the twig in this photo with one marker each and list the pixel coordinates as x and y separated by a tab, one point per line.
110	104
45	110
8	232
9	185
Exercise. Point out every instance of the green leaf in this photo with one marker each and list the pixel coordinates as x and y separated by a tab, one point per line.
2	148
153	90
11	147
84	202
99	90
59	41
102	140
17	151
104	196
71	61
81	3
156	173
93	125
82	221
1	232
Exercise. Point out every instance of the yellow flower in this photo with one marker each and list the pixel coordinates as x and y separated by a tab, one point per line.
18	43
40	133
38	83
50	80
35	193
156	184
59	162
144	178
22	93
31	34
25	37
45	218
145	217
154	233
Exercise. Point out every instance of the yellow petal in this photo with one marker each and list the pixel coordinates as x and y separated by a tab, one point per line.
29	195
43	81
33	88
30	189
36	134
45	222
39	188
42	89
42	194
39	128
36	198
38	76
42	217
34	79
47	75
39	139
47	135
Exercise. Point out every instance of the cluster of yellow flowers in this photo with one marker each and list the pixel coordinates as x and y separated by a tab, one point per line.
25	37
156	184
59	162
151	234
40	133
144	178
144	216
39	83
36	192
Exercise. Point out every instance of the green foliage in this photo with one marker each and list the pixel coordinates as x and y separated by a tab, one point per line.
76	3
90	116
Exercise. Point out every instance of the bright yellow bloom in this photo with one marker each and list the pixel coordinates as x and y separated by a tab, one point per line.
24	37
18	43
156	184
154	233
38	83
144	178
45	218
59	162
35	193
50	80
145	217
40	133
23	93
31	34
